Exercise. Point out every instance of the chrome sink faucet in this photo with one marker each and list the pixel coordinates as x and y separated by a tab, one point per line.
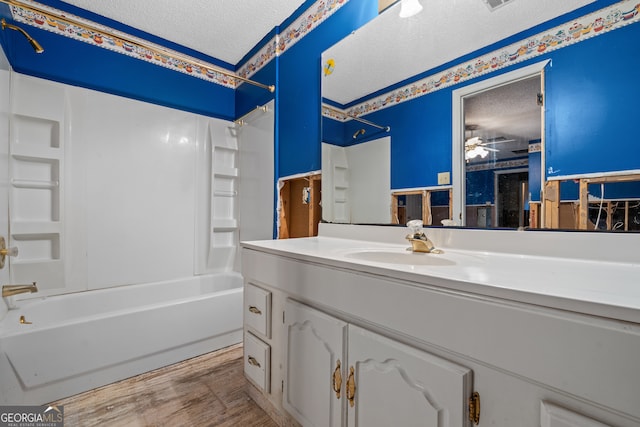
419	241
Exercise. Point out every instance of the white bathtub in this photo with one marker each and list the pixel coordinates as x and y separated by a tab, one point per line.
80	341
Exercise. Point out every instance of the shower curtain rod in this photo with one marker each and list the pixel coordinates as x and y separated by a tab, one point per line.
358	119
141	44
241	121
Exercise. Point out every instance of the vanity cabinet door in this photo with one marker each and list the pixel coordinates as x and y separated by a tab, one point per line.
313	366
399	385
555	416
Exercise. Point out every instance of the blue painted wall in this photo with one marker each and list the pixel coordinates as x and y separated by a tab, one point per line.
298	98
420	138
535	174
333	132
570	191
248	96
480	187
592	105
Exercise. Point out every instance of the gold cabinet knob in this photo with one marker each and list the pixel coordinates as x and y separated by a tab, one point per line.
351	387
337	380
252	361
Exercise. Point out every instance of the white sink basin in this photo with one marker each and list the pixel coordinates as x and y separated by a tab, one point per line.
400	257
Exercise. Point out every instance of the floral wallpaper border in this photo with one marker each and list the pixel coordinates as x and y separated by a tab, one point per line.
535	147
588	26
116	44
314	16
319	12
504	164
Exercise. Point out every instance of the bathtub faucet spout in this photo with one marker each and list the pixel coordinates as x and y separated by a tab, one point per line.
10	290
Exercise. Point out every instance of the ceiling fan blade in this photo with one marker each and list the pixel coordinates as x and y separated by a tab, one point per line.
499	141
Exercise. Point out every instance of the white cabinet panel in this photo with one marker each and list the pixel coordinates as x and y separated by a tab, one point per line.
400	385
556	416
314	349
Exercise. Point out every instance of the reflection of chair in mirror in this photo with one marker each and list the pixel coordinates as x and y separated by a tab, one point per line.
432	206
607	202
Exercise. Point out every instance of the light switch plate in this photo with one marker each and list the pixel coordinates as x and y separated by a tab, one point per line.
444	178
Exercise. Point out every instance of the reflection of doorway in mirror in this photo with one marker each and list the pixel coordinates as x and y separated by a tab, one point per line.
511	189
499	125
504	127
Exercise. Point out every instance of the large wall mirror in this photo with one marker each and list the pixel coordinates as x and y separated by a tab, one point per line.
435	115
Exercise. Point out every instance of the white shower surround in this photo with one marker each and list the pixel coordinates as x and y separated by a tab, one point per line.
134	184
135	222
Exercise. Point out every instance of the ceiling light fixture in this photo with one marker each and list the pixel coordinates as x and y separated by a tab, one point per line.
473	149
409	8
475	152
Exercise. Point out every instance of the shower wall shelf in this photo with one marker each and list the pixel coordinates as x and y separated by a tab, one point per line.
224	201
225	224
340	193
228	172
24	183
37	185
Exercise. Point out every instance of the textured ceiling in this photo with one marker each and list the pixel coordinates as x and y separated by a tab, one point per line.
390	49
223	29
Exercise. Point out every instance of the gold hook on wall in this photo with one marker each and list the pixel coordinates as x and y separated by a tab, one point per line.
34	44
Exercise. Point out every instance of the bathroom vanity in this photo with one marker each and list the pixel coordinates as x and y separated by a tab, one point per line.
504	328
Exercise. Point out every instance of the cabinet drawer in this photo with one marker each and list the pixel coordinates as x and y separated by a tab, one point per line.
257	309
257	363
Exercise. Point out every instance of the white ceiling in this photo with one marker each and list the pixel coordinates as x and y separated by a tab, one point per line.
390	49
223	29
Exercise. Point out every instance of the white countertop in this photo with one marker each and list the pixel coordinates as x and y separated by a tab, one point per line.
608	288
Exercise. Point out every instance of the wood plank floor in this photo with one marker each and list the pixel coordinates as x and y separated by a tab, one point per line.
208	390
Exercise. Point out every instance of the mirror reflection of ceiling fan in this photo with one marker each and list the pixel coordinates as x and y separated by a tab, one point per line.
477	147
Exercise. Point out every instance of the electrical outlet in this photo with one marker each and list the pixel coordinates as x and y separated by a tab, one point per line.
444	178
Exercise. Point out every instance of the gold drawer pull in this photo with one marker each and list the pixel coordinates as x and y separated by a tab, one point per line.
254	309
253	361
337	380
351	388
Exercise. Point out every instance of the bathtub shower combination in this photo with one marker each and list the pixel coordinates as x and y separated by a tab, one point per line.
72	343
136	269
